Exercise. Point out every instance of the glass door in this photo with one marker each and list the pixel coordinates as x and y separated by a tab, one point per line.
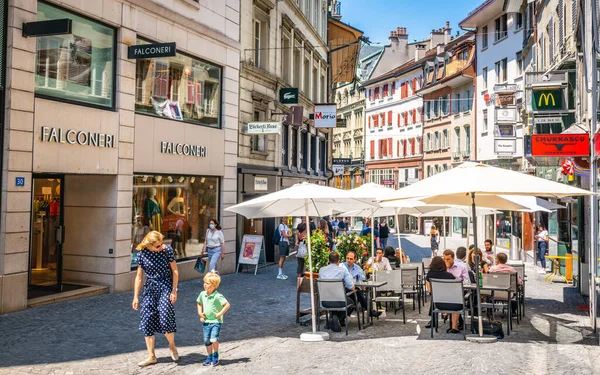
47	234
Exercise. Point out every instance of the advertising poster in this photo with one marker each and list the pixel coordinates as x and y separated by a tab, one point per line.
250	249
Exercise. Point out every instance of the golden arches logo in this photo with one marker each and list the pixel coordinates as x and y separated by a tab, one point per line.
546	98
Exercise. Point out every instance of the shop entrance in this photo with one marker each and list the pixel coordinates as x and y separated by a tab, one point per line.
47	234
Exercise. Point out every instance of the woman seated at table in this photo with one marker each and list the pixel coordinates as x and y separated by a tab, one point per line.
390	254
483	266
437	270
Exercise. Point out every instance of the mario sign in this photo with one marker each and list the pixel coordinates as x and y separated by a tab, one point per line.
325	116
560	145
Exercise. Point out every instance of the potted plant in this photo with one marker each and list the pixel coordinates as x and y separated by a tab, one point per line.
352	241
319	252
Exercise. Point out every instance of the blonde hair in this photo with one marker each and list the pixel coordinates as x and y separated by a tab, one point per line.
213	278
151	238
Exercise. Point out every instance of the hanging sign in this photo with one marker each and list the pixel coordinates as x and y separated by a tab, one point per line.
145	51
547	100
264	128
337	170
505	99
288	95
560	145
547	120
505	130
61	26
506	115
596	145
325	115
342	161
261	183
505	146
388	182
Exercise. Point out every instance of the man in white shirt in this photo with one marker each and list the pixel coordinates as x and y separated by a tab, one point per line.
380	263
284	246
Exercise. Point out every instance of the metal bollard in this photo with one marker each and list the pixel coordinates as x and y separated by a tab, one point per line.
569	267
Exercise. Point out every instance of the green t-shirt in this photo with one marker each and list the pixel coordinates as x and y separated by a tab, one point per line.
211	306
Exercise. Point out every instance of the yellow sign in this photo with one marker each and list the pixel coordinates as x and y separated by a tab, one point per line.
545	100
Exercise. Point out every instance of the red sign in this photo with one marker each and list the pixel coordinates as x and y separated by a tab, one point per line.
388	182
173	222
486	97
560	145
596	144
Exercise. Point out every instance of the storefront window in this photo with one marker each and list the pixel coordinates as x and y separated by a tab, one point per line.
75	67
180	88
180	207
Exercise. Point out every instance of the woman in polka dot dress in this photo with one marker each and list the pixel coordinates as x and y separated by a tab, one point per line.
157	261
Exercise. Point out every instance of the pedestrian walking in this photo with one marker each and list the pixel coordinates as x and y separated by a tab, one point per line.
157	261
211	308
542	245
384	233
435	240
214	242
284	246
301	249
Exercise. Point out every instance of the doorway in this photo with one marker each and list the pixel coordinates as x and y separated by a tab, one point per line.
47	234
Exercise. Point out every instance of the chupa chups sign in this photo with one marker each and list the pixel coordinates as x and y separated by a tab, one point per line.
560	145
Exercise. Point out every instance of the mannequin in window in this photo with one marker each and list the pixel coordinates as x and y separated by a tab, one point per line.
152	211
177	239
176	205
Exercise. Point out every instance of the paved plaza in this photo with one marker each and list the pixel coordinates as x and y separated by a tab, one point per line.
99	335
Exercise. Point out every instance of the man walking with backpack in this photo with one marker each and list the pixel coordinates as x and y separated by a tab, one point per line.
281	237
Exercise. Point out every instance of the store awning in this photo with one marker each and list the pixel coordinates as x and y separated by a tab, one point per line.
343	60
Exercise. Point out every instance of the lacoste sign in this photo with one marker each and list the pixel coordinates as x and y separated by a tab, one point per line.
288	95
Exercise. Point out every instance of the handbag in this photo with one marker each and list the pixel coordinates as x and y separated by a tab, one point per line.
200	266
302	250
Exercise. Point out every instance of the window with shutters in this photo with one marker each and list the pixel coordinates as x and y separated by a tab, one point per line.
372	149
414	86
519	60
550	31
412	147
369	120
385	90
376	121
428	142
389	118
484	78
518	21
390	147
399	120
562	25
376	92
382	118
393	88
574	14
405	118
370	95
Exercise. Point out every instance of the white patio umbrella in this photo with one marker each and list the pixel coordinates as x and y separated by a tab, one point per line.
476	183
307	200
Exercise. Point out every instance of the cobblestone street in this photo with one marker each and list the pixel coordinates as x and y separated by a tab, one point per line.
100	335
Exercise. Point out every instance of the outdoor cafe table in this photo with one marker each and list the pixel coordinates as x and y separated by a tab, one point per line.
555	268
491	288
371	285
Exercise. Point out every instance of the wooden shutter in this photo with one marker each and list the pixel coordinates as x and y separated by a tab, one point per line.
398	148
414	86
399	120
385	90
404	147
372	149
421	145
405	118
369	120
377	93
393	87
389	118
574	14
561	19
390	147
370	95
412	148
376	120
551	40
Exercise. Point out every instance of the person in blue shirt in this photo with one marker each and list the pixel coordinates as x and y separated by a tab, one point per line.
333	271
354	269
366	231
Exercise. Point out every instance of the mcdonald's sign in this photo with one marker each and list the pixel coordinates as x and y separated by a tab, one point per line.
547	100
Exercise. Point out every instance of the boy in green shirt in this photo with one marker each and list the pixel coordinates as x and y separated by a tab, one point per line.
211	308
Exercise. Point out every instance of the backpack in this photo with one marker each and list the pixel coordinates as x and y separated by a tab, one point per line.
276	236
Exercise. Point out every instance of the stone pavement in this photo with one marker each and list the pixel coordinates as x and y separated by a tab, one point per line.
99	335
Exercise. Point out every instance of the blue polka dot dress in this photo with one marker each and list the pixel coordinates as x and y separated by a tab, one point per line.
157	312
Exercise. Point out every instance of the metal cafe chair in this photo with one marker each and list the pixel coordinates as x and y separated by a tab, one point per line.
393	286
425	262
333	297
410	285
444	292
500	280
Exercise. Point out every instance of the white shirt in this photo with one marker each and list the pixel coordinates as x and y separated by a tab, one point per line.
384	265
542	236
214	239
286	230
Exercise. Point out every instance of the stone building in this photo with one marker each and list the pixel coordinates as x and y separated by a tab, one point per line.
100	146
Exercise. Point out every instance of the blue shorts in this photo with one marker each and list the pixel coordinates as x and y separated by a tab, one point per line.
284	249
211	333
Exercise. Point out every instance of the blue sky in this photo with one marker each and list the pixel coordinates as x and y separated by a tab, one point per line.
376	18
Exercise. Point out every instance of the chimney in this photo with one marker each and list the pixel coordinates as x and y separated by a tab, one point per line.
419	52
447	33
398	34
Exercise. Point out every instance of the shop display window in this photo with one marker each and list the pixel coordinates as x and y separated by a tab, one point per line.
79	66
180	88
180	207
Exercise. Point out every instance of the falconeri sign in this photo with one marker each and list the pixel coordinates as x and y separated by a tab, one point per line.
77	137
145	51
182	149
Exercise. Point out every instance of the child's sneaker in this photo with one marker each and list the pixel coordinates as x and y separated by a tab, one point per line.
208	361
215	359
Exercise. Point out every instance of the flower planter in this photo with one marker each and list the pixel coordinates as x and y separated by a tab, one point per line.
315	275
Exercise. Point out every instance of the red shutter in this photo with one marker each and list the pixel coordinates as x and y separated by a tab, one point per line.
382	118
390	147
376	121
402	90
399	123
414	85
405	118
370	95
389	118
393	87
404	147
421	145
398	146
412	148
372	149
380	148
369	117
415	115
385	90
377	93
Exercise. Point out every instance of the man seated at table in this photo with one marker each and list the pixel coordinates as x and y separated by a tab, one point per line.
357	275
502	267
380	263
333	271
458	271
461	260
488	254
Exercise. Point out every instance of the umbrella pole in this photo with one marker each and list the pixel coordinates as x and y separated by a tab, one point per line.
476	260
468	231
398	235
372	233
495	237
314	335
444	228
